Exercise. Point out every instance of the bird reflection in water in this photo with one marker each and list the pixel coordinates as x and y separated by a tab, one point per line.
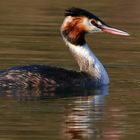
85	116
83	113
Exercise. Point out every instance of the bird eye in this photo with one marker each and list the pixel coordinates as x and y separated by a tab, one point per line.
93	21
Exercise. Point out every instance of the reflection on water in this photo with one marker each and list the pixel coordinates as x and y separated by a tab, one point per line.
81	110
89	114
82	114
85	118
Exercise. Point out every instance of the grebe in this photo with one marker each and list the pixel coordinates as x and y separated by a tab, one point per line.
92	73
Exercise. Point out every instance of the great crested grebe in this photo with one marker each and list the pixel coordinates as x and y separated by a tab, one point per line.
92	73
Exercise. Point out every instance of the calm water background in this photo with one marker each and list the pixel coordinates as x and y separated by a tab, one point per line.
29	34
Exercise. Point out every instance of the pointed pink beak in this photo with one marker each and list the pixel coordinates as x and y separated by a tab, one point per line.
113	31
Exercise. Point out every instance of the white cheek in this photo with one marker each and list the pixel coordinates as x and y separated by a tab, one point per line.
67	20
94	29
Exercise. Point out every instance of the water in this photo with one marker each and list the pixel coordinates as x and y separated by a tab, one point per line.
29	34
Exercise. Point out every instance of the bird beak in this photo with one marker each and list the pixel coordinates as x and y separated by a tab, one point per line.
114	31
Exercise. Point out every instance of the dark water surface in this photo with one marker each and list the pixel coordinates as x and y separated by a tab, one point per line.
29	34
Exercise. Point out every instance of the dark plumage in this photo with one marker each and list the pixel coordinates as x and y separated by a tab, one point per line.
80	12
41	77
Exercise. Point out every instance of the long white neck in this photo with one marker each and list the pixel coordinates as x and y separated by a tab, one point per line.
88	62
73	31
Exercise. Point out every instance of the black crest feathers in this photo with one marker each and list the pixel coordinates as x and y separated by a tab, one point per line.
79	12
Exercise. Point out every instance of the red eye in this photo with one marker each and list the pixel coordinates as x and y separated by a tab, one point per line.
98	24
93	21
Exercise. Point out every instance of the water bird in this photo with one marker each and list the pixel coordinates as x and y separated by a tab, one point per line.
77	23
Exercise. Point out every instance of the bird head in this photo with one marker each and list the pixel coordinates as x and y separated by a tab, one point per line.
78	21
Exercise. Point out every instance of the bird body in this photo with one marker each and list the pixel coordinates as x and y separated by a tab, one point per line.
43	77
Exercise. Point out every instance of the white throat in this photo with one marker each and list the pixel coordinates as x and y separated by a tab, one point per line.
88	62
